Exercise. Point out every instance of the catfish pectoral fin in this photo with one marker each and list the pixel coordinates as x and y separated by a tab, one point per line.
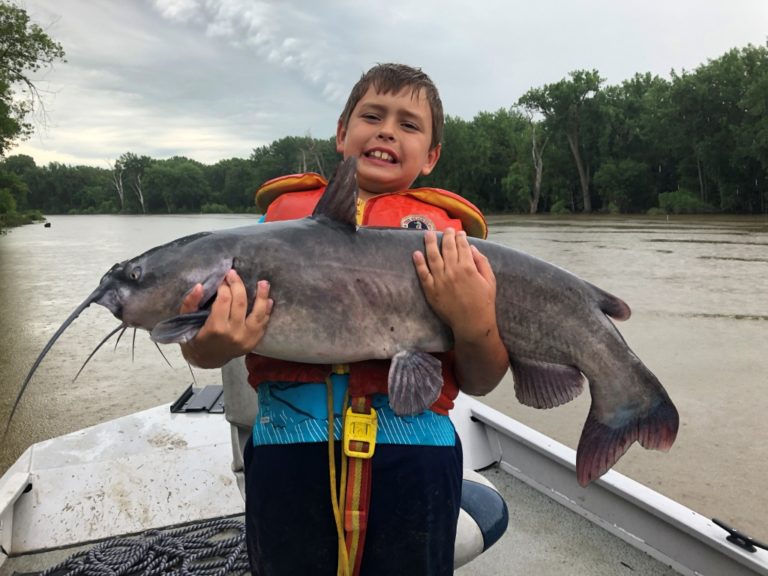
415	381
179	329
545	385
602	444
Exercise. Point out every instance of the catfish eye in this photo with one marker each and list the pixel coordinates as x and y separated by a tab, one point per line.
135	273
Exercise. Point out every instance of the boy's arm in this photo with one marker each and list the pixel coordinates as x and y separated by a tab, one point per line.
229	331
460	286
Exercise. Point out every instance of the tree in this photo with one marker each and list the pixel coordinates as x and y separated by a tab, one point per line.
133	171
24	49
116	170
564	105
177	184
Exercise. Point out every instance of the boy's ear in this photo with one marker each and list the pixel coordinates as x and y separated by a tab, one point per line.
341	134
432	157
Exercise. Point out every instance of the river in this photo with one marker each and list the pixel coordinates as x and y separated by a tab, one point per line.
698	288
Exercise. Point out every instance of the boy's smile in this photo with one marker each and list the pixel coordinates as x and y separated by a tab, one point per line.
391	136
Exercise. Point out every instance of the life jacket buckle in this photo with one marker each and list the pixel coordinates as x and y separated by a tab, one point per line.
360	428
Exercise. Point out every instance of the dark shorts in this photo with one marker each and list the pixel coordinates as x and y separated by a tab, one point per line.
415	500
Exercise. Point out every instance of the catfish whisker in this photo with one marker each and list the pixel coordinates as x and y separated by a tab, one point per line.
162	354
107	337
133	346
120	336
194	380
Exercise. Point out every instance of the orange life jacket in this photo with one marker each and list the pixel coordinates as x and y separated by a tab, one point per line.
295	196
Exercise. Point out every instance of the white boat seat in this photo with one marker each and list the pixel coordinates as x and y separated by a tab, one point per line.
483	517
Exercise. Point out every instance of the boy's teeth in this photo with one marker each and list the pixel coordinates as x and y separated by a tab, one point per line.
381	155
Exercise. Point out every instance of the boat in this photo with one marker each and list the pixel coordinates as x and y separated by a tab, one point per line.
178	465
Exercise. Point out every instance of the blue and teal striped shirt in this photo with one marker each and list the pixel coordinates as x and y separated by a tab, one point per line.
291	413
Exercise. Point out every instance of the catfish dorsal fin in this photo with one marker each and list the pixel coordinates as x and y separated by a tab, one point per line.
339	201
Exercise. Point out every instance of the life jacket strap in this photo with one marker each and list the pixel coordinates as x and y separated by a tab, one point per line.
361	420
359	424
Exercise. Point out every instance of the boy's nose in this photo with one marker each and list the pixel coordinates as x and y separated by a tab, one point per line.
385	134
387	130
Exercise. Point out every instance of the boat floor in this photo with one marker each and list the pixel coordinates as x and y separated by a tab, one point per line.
543	538
546	538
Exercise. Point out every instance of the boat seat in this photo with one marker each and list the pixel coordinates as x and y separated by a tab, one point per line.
483	517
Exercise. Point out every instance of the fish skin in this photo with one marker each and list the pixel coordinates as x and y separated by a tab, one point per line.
332	282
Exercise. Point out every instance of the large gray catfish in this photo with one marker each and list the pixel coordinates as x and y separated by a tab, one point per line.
344	294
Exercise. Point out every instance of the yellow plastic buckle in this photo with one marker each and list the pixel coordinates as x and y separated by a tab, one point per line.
360	428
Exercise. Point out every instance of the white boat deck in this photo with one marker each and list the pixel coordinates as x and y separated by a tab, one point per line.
153	470
543	538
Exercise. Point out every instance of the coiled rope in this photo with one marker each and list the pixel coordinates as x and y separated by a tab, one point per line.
191	550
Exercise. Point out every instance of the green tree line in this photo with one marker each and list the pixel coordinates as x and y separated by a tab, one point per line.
695	142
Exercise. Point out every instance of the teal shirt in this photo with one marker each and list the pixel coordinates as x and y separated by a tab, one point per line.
292	413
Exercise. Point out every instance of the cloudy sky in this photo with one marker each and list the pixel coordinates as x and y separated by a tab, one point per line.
213	79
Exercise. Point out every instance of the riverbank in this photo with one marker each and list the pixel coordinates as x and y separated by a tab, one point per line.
15	219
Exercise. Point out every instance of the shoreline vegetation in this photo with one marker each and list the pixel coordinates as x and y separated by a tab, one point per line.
15	219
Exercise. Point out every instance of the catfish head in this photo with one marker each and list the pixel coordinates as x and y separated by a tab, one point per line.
149	289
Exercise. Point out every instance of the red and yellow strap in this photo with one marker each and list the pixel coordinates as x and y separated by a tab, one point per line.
359	424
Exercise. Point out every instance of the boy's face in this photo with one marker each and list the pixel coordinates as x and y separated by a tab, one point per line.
391	136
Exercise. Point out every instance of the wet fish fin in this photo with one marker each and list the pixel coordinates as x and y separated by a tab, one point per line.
613	306
339	201
179	329
602	444
415	381
545	385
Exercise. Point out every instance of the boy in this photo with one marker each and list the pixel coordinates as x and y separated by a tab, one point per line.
393	123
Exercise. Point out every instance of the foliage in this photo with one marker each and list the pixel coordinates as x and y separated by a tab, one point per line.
682	202
215	208
7	201
25	48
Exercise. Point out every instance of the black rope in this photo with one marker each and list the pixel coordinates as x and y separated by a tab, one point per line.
191	550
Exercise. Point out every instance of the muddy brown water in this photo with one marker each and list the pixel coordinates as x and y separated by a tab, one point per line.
698	288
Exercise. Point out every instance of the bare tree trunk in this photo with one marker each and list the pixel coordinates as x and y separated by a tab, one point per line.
573	141
702	188
538	164
137	189
312	149
117	179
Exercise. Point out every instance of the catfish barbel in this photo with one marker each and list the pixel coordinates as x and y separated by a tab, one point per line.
344	294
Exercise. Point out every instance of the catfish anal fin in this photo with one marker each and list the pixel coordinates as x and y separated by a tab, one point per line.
544	385
415	381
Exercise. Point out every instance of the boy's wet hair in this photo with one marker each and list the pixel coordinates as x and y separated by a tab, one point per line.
392	78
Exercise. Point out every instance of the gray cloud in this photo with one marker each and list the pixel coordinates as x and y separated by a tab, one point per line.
214	79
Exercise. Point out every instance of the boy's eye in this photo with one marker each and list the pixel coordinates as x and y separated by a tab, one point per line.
370	116
410	126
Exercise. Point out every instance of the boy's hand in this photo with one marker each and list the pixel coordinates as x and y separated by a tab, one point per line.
229	331
460	286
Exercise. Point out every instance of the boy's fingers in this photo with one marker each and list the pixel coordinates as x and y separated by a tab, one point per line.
262	304
449	249
239	295
483	265
433	258
220	309
191	301
463	247
422	270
